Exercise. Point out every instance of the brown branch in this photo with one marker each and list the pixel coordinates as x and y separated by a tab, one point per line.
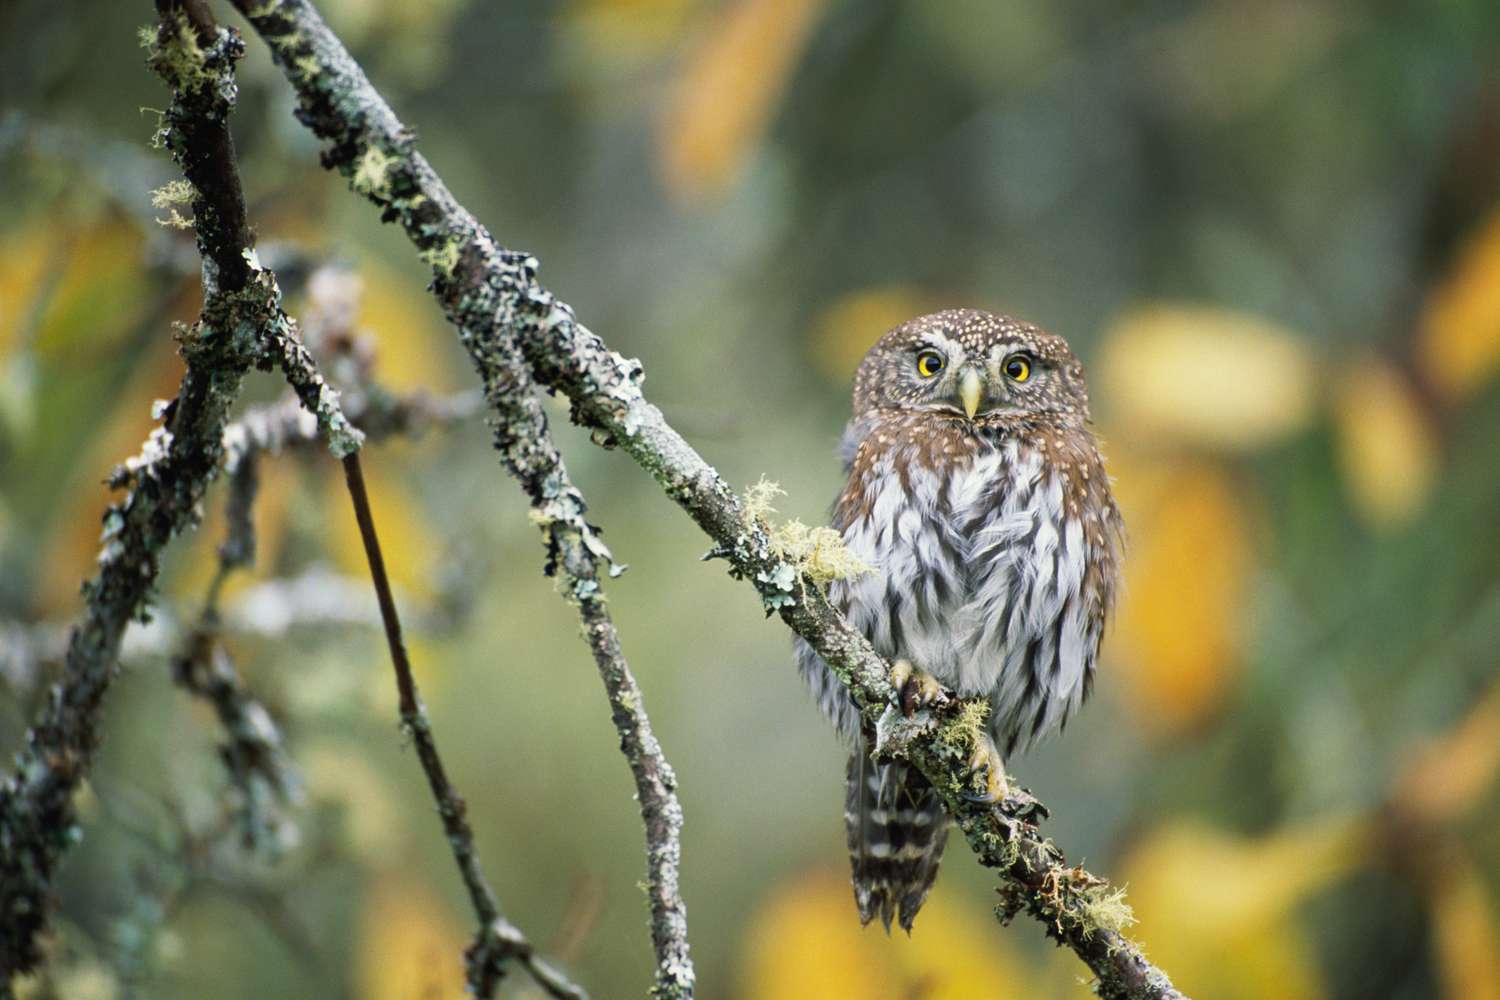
241	325
165	482
263	781
498	941
492	296
206	152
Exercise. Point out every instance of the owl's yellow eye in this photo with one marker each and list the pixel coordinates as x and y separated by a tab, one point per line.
1018	367
929	363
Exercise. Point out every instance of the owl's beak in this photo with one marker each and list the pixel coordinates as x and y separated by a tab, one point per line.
971	390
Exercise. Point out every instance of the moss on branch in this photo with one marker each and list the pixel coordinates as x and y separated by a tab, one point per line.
494	299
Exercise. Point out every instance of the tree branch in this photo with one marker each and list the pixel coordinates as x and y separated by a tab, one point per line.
241	324
573	546
165	481
492	296
261	776
498	941
474	284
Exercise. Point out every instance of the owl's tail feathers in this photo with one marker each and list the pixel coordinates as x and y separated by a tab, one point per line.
897	827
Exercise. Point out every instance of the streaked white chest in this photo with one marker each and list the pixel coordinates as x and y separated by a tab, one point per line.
978	580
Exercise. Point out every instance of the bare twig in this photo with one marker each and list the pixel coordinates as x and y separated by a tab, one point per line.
276	427
494	300
498	941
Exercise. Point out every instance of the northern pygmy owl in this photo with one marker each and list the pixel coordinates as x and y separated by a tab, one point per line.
977	494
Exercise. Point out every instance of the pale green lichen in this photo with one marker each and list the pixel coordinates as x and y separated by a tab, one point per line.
1074	900
817	552
176	54
171	196
159	133
372	173
1103	908
967	728
758	499
444	258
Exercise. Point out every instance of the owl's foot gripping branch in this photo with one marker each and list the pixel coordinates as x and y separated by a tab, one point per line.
504	317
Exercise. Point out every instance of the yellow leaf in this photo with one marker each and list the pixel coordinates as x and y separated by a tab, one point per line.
100	293
1460	328
26	256
1466	933
1188	568
410	945
76	977
806	941
625	33
1387	447
1448	777
846	329
722	99
406	324
1219	911
1205	376
341	775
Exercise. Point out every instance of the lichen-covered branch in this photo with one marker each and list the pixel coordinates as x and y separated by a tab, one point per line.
263	781
241	325
276	427
574	548
475	281
498	941
493	297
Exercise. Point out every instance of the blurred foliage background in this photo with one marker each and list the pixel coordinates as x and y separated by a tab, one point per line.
1271	230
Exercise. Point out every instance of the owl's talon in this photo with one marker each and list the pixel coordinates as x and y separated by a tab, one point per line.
987	781
916	689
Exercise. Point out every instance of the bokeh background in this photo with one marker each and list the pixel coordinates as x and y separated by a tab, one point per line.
1271	230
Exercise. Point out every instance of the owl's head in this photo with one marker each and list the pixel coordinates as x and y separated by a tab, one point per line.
975	366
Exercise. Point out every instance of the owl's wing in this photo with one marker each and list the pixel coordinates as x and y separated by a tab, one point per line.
855	432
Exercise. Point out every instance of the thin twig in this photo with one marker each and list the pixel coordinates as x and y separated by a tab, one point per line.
498	941
262	778
493	298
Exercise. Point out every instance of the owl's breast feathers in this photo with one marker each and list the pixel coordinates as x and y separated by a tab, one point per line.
995	553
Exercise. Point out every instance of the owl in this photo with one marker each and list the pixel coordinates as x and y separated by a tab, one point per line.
977	494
